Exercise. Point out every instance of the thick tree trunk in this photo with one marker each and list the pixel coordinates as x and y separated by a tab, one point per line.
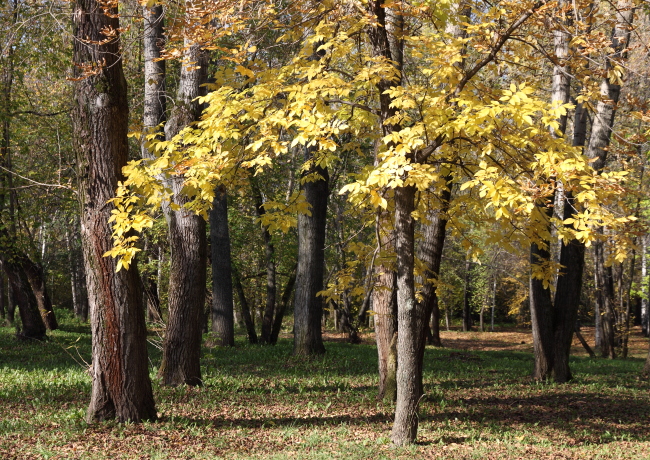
308	308
121	388
188	245
223	322
269	252
11	303
605	287
30	317
36	279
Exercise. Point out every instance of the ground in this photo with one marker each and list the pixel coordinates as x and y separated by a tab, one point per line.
260	402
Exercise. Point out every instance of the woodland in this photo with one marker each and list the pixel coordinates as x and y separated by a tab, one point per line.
347	228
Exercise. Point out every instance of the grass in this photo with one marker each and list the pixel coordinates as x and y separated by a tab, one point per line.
260	402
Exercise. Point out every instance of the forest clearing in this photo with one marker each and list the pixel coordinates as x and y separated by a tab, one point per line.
261	402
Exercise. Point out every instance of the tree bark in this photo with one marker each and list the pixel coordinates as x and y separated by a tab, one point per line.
384	305
121	388
410	322
308	308
154	112
188	245
223	322
36	279
30	317
644	285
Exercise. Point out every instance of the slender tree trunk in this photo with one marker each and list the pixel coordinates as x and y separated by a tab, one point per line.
308	308
644	285
223	322
467	318
188	244
3	297
246	313
410	319
494	300
269	252
282	307
384	304
121	388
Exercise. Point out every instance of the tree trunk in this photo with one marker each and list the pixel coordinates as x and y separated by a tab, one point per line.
36	279
644	285
121	388
605	287
154	73
30	317
384	305
410	322
431	255
223	322
308	308
3	297
467	315
188	245
541	318
246	313
269	250
11	302
282	307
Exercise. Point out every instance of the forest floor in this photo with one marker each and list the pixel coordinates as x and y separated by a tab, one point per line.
261	402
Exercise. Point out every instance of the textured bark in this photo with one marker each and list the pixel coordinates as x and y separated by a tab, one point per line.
188	245
541	318
154	72
11	304
431	256
223	323
467	315
77	279
384	305
30	317
269	252
410	322
121	388
606	299
36	279
308	308
282	307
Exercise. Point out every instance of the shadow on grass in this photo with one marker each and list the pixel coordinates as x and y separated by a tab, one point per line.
579	414
285	422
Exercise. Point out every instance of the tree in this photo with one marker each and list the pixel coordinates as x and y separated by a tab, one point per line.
121	388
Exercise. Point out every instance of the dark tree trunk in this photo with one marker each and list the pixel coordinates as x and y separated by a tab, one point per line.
11	303
121	388
79	295
3	296
223	323
605	297
269	251
36	279
245	310
541	318
282	307
188	245
308	308
30	317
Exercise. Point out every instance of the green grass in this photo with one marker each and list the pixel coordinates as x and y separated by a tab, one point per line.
261	402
